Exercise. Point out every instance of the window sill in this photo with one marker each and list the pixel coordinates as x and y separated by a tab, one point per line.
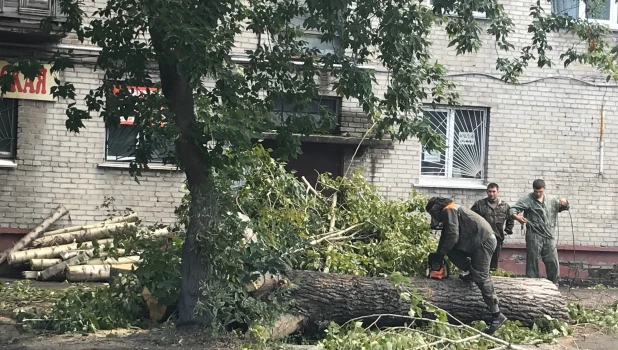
123	165
451	183
7	164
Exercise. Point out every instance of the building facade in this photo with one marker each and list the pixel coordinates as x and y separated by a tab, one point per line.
42	164
548	125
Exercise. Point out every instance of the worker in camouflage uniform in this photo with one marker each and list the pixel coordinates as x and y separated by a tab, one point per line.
496	212
469	242
540	212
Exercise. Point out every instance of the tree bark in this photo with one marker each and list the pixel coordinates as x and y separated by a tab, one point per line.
25	241
333	297
193	158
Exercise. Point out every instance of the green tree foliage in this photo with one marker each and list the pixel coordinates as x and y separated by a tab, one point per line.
209	101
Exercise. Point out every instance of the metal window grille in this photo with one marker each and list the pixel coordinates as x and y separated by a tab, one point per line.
121	141
8	128
465	134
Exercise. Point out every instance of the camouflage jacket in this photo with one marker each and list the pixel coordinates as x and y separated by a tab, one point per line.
495	217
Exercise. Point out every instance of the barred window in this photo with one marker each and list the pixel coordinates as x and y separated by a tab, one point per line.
8	128
120	143
465	133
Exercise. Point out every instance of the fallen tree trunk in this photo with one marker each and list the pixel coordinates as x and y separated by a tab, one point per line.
53	252
323	297
92	273
27	239
127	218
79	236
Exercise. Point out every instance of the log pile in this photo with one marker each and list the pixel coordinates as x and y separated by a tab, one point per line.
68	253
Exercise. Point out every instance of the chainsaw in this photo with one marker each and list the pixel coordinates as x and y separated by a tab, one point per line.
437	267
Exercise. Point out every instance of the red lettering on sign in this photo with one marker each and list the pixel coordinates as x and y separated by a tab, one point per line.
41	83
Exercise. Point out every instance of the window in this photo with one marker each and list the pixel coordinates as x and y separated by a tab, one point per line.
120	143
8	128
465	134
317	108
605	12
477	14
314	38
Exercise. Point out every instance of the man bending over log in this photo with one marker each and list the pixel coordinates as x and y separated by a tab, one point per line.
469	242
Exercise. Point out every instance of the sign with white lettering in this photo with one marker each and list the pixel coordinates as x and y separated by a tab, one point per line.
26	89
466	138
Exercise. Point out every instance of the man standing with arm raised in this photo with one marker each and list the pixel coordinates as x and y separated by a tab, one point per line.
540	212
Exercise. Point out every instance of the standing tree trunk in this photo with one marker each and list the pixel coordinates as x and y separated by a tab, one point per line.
192	157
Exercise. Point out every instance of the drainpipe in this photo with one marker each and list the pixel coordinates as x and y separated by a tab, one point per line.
601	142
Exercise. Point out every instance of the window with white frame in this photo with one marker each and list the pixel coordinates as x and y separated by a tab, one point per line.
477	14
605	12
465	133
120	143
314	38
8	128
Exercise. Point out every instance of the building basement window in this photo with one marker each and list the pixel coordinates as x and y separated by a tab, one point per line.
465	133
8	128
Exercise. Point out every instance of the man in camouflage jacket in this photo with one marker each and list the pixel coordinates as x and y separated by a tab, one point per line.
496	212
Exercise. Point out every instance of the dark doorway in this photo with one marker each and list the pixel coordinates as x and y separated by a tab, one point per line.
316	158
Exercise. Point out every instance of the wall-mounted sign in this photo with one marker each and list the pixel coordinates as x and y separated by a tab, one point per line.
466	138
26	89
431	157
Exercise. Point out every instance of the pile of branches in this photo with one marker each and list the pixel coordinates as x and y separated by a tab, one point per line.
339	225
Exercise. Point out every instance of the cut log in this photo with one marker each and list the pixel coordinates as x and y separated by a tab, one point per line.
92	273
114	261
42	264
127	218
333	297
27	239
30	275
71	253
79	236
53	252
61	267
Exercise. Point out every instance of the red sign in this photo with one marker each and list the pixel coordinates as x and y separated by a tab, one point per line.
135	91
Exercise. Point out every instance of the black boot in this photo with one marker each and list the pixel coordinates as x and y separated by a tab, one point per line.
466	278
496	322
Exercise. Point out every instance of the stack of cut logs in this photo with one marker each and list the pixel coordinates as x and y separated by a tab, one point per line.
68	253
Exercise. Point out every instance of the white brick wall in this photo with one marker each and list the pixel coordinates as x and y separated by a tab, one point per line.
56	167
545	129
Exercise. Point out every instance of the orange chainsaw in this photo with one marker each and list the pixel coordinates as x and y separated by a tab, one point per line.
437	267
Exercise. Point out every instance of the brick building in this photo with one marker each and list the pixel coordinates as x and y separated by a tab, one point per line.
43	165
546	126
